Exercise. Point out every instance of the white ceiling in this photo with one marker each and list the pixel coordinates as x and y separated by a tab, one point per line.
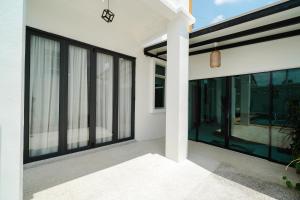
132	17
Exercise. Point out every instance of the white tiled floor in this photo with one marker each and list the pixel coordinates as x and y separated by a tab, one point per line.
210	173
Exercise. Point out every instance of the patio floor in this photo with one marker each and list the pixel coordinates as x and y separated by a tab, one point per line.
136	170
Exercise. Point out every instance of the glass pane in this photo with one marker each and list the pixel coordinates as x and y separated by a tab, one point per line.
194	109
104	98
125	95
78	125
159	92
160	70
250	106
44	96
286	106
211	124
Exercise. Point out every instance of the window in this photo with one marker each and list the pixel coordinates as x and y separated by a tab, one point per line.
78	86
251	113
77	96
160	76
43	96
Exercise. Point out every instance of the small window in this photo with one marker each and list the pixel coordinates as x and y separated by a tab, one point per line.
160	76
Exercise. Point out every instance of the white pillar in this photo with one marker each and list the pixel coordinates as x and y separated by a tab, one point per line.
11	100
177	89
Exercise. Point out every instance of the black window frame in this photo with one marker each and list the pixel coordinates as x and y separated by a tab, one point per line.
156	75
63	94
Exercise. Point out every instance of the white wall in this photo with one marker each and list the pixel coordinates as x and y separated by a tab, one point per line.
148	123
72	23
65	19
11	100
266	56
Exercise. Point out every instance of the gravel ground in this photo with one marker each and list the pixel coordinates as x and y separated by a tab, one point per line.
276	191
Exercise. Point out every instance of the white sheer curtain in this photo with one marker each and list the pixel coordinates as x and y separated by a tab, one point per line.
44	96
78	130
104	98
125	87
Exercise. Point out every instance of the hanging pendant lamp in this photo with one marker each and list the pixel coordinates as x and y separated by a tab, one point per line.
108	15
215	57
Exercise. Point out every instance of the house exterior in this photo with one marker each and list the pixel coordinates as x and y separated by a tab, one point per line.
72	82
247	103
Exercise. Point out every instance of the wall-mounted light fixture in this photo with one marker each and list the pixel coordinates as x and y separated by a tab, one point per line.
108	15
215	57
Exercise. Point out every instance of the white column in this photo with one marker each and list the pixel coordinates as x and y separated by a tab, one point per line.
11	100
177	90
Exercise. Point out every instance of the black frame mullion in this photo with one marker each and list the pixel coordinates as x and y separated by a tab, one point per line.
115	98
27	97
227	110
196	114
270	114
63	94
133	100
63	99
199	88
93	98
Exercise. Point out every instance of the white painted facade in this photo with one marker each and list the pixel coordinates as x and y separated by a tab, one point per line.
11	101
177	90
128	34
261	57
48	16
136	23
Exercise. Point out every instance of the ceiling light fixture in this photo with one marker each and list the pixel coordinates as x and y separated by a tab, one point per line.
108	15
215	57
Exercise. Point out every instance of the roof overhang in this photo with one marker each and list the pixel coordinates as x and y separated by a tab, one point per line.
171	9
272	22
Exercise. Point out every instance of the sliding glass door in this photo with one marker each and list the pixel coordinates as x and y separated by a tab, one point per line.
207	117
77	96
44	96
125	99
104	103
286	102
194	110
78	92
250	113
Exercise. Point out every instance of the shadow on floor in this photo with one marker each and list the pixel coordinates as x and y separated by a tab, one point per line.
214	159
255	173
271	189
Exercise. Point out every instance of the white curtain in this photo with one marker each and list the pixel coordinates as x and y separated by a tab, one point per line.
104	98
78	130
44	96
125	87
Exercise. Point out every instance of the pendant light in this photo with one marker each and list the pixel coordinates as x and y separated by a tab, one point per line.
215	57
108	15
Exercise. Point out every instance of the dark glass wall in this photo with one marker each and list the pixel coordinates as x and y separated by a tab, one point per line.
286	98
247	113
250	114
206	105
194	109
